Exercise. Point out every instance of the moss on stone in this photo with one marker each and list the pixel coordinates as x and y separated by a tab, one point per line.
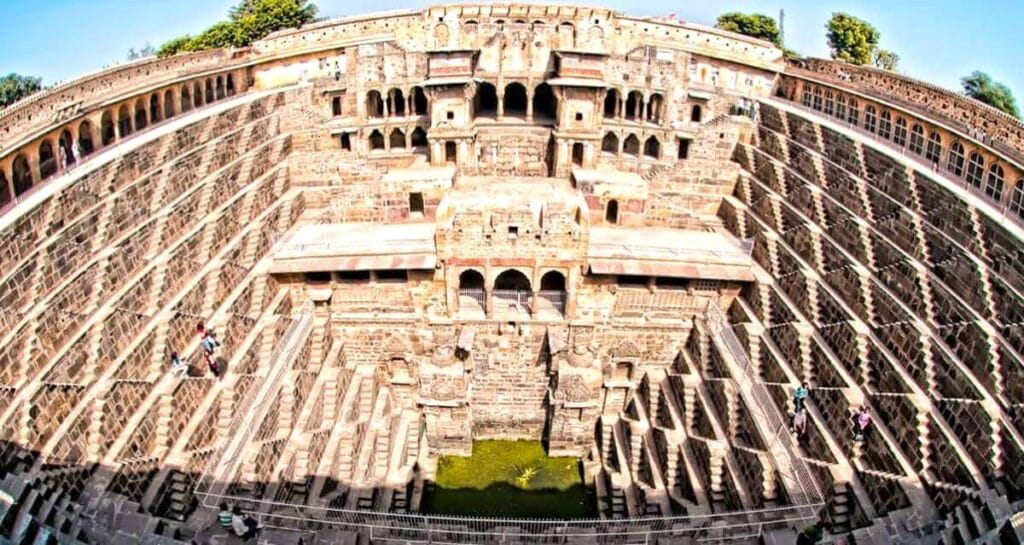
508	479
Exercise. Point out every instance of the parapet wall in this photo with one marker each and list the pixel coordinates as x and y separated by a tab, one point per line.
967	114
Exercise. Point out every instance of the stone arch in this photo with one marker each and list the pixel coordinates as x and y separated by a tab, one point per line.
577	153
471	26
397	139
141	119
396	102
934	150
124	121
830	103
107	132
545	105
47	160
512	279
420	105
917	139
515	99
885	124
229	83
85	137
870	118
220	87
186	99
155	113
654	107
652	147
853	112
168	104
485	102
441	34
471	279
374	104
197	94
994	182
899	133
1017	199
955	162
631	146
552	281
612	103
610	143
696	113
5	190
376	140
419	137
21	175
566	35
975	169
611	212
208	92
634	100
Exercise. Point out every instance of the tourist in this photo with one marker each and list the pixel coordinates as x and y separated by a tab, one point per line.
176	364
800	423
224	517
244	527
76	151
62	156
861	421
799	396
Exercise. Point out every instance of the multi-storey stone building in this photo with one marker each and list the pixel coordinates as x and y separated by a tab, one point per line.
630	238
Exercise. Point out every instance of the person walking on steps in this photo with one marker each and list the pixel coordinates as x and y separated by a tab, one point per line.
799	397
244	527
177	366
861	421
224	518
800	423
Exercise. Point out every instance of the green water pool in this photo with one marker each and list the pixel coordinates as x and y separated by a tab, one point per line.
508	479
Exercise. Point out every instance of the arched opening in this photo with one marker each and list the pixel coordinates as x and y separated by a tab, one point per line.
577	154
934	150
552	292
419	101
471	291
515	99
124	122
612	100
21	175
230	83
830	103
140	115
5	191
197	95
816	104
47	161
64	155
186	99
486	100
610	143
994	184
566	35
396	102
107	133
975	169
899	134
885	125
397	139
853	114
633	101
374	104
154	108
511	292
512	280
1017	199
419	137
85	143
451	153
209	92
870	119
917	139
346	141
695	113
545	105
841	107
654	107
631	146
220	87
652	148
376	140
955	162
611	212
168	104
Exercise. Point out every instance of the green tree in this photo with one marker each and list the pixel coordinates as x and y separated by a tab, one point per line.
886	60
249	21
981	86
14	87
754	25
851	39
180	44
221	34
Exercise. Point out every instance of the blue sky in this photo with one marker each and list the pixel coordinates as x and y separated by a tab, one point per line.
937	41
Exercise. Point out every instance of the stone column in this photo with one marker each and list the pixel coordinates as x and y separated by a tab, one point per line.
529	106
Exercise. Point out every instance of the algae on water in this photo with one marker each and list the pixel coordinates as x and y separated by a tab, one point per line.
509	479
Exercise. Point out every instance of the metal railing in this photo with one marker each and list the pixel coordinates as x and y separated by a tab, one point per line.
511	301
472	299
741	251
800	482
551	301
